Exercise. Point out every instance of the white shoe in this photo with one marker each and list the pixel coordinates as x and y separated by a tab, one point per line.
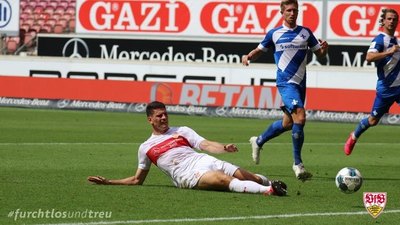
255	150
301	173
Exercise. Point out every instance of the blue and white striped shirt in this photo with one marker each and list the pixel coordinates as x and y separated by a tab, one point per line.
388	68
290	51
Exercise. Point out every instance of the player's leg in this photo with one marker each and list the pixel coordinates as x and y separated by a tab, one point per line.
216	174
380	107
217	180
273	130
243	174
298	116
294	104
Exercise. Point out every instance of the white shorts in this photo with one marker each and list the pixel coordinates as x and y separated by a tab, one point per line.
188	176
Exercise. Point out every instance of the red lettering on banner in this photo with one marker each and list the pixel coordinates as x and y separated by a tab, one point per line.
230	95
251	17
131	15
158	150
358	20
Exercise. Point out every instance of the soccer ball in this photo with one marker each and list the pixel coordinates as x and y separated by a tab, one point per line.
349	180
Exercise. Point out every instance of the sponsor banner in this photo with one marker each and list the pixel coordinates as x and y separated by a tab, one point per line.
234	112
210	95
357	19
9	17
337	21
331	77
180	50
191	18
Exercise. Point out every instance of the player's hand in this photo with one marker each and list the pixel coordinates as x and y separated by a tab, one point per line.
98	180
323	44
394	49
245	60
231	148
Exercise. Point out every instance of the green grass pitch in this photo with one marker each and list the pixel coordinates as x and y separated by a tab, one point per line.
46	156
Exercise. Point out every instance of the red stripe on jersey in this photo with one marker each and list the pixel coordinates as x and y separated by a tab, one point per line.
158	150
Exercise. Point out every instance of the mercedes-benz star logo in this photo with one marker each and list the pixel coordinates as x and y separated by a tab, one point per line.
74	48
63	103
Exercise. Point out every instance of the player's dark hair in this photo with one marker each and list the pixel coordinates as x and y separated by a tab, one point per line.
383	15
288	2
152	106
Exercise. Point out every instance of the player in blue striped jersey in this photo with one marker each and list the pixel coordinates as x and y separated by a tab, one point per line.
385	52
290	43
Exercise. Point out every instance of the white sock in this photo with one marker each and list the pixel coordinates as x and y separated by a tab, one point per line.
247	186
265	180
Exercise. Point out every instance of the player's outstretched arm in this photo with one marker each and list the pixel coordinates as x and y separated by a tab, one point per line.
216	147
138	179
252	56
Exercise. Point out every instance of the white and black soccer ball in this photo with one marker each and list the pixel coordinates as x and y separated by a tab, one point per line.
349	180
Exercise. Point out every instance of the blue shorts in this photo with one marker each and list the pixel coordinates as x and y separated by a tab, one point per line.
383	104
293	96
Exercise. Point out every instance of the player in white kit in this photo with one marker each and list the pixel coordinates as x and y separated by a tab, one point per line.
171	149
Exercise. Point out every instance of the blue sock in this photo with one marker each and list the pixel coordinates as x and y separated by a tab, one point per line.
275	129
298	140
362	126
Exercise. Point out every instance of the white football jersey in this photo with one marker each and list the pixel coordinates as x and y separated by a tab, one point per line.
168	150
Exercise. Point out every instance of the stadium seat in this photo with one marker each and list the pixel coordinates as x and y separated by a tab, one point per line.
36	27
63	22
53	3
23	16
38	9
32	4
58	28
29	21
51	22
24	27
56	16
49	9
23	4
68	16
71	25
64	4
70	10
40	21
59	9
46	28
28	9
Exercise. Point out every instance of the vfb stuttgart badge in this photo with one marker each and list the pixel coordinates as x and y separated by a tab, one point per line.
375	202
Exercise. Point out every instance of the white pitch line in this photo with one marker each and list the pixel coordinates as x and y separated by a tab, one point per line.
224	218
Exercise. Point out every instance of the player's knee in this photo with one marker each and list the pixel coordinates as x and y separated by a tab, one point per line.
373	121
287	125
224	180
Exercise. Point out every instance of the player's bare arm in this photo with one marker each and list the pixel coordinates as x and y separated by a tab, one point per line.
375	56
252	56
323	51
138	179
216	147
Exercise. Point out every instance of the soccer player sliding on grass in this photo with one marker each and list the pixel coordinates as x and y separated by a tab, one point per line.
171	149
